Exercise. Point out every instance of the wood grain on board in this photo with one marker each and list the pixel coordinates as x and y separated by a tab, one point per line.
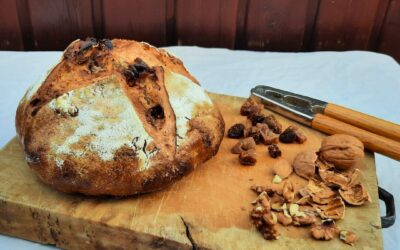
208	208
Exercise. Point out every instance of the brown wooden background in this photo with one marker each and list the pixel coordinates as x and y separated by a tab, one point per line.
275	25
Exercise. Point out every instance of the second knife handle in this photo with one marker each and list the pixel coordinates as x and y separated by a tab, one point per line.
364	121
373	142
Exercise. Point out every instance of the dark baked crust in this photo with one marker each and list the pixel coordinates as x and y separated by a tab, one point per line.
42	129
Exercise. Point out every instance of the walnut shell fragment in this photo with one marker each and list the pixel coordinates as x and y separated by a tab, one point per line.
304	164
282	168
355	195
342	150
327	230
347	237
334	179
335	209
320	193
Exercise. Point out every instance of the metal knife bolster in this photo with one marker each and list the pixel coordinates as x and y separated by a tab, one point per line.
297	107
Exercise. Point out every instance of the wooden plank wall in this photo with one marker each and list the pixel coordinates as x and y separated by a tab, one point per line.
273	25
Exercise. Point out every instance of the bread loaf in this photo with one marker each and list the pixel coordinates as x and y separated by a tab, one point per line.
117	117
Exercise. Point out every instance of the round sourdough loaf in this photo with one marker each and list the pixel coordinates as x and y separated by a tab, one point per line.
117	117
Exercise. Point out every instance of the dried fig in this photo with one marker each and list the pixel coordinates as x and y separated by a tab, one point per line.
251	107
244	145
304	164
274	151
236	131
248	158
341	150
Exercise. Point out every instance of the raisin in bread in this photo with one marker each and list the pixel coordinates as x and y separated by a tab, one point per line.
117	117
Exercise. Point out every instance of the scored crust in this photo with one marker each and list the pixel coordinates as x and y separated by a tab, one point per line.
117	118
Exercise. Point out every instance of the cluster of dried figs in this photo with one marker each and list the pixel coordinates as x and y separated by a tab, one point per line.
333	182
261	129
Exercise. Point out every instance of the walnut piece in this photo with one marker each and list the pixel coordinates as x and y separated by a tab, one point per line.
263	218
355	195
285	220
288	191
327	230
248	158
282	168
307	220
347	237
243	145
341	150
304	164
292	134
260	189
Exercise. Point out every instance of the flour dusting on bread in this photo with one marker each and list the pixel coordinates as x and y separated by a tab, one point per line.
106	116
184	96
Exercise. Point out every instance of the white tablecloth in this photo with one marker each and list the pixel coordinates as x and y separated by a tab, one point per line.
365	81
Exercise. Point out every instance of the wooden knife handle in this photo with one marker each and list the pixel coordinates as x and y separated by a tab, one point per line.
367	122
373	142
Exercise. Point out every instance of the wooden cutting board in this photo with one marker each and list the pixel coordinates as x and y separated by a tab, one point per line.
209	208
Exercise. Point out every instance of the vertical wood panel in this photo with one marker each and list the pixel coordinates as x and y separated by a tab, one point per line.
209	23
10	32
345	24
279	25
143	20
56	23
390	35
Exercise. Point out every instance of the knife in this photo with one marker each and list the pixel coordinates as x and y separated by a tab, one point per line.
377	135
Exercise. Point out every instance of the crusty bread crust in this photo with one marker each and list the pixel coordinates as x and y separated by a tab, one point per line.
117	118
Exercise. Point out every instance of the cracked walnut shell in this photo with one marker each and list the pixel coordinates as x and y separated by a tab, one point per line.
355	195
304	164
282	168
341	150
